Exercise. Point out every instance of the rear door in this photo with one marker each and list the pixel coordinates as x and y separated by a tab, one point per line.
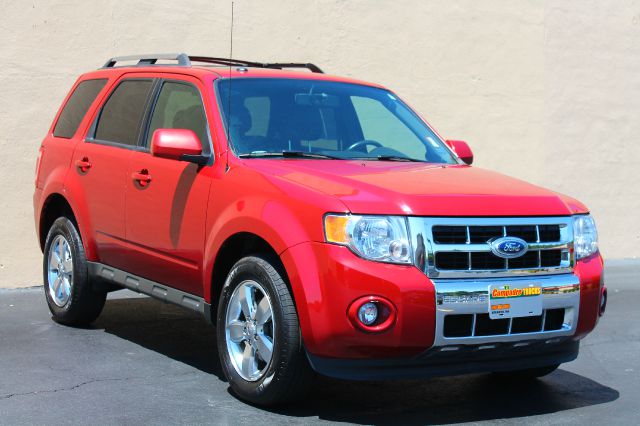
101	162
165	216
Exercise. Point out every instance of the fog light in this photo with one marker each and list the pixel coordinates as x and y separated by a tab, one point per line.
368	313
372	314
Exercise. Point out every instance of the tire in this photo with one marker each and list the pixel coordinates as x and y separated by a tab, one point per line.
286	375
70	297
526	374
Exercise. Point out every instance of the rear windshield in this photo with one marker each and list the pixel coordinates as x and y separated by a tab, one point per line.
77	106
268	116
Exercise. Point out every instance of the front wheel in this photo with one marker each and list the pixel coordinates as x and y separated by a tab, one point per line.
259	340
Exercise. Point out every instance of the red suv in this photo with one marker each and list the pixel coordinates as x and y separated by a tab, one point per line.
318	221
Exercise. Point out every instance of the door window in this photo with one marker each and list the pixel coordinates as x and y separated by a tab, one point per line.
122	114
179	106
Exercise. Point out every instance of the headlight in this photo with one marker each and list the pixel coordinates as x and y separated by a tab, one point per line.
379	238
585	236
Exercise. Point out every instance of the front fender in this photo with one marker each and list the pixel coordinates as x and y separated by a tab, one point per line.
282	213
270	220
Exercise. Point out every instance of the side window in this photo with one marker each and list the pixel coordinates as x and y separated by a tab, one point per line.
380	125
122	114
179	106
76	107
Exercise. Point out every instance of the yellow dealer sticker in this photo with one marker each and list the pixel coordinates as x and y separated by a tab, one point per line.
515	292
510	301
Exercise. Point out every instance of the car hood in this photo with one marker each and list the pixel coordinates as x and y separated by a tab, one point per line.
383	187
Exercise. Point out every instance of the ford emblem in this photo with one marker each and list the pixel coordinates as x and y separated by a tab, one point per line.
509	247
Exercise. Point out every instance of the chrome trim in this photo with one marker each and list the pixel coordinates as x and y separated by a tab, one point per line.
425	247
472	297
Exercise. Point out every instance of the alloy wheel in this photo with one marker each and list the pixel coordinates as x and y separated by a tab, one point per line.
60	271
250	330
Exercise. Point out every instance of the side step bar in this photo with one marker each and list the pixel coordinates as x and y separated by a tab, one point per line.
150	288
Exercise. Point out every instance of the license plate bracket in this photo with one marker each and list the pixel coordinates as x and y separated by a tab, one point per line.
515	300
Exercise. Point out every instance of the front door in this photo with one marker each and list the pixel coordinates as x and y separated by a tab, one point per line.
166	209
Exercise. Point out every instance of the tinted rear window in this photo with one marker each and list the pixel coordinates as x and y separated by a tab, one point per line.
76	107
122	114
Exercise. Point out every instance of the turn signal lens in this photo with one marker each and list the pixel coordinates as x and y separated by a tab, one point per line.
335	229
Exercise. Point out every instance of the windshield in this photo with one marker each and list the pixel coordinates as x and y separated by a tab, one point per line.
270	117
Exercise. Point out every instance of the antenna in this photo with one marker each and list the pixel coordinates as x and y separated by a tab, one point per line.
229	93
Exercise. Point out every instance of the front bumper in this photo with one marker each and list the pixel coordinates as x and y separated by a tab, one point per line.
470	298
435	363
326	279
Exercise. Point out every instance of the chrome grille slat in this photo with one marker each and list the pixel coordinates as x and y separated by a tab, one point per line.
472	332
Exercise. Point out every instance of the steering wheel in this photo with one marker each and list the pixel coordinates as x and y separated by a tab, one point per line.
364	142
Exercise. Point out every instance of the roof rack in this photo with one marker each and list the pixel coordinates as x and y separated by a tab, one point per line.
185	60
151	59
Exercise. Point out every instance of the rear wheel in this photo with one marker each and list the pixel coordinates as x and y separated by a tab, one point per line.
69	295
528	373
259	339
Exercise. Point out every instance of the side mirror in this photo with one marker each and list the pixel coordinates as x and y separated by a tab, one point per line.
461	148
177	144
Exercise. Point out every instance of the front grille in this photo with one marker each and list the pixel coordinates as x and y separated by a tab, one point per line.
482	234
461	247
477	325
487	261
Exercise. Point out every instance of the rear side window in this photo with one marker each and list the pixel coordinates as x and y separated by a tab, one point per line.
122	114
76	107
179	106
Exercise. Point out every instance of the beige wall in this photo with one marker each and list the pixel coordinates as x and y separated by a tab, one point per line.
545	91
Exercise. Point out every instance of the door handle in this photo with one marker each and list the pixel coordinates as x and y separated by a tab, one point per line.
142	177
83	165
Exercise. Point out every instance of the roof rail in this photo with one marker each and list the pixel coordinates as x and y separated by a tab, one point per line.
242	63
151	59
184	60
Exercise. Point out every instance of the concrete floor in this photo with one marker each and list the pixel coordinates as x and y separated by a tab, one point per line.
145	362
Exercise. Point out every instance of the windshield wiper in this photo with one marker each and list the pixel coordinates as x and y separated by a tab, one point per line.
391	158
288	154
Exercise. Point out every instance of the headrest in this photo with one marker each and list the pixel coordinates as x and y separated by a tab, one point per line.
240	119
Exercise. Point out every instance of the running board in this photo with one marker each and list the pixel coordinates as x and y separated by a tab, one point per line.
150	288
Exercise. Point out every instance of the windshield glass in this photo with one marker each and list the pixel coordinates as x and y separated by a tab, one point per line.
324	119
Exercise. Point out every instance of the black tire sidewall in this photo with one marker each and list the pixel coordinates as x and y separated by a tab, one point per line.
264	390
